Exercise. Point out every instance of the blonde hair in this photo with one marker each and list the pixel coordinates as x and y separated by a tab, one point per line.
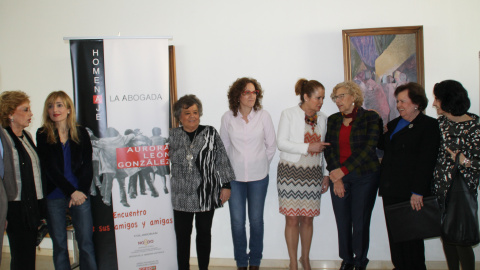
352	89
49	125
9	101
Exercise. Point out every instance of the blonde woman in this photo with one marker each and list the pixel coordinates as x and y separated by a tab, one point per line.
66	153
354	172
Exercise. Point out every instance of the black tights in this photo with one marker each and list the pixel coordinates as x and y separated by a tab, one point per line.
457	255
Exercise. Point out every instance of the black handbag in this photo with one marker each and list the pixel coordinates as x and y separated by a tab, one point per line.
406	224
460	219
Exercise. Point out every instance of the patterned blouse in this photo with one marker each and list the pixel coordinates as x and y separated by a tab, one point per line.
199	168
463	136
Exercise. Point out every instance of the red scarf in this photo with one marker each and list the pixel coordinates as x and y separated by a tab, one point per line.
352	115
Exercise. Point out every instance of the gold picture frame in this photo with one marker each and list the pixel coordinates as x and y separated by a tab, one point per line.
381	59
417	31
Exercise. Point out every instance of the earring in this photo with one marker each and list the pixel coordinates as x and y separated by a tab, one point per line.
416	108
11	119
68	113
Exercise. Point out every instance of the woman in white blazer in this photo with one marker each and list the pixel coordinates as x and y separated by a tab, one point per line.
301	175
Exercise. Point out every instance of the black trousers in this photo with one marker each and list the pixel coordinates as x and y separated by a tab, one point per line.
183	230
22	240
408	255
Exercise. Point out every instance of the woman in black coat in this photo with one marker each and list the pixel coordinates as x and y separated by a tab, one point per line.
411	146
22	180
66	158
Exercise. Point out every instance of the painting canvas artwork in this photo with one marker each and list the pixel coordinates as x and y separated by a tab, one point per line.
381	59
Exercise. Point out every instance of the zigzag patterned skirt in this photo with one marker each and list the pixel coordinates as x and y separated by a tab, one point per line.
300	186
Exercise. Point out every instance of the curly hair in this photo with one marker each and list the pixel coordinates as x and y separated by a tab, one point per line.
236	89
47	123
416	93
308	87
9	101
453	97
186	102
352	89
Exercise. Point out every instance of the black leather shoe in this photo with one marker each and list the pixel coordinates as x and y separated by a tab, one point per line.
360	268
346	266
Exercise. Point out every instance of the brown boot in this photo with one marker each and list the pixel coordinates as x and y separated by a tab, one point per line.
253	267
242	268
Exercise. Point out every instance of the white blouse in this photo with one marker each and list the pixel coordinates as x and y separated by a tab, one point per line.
35	168
250	146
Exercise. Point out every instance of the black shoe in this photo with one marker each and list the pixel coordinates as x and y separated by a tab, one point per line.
346	266
360	268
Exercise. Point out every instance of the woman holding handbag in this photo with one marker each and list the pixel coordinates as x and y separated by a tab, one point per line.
460	136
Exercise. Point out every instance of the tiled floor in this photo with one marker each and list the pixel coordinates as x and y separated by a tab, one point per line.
45	263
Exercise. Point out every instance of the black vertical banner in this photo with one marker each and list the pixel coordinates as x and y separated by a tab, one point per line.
89	84
90	103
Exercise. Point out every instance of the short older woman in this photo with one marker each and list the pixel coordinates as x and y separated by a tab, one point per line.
249	137
301	179
25	200
411	147
66	153
353	133
201	175
460	136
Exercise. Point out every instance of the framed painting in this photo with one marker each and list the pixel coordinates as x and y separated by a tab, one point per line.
379	60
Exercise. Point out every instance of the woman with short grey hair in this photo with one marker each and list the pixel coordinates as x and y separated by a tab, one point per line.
200	175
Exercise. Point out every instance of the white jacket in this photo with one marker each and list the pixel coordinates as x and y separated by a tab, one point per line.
291	133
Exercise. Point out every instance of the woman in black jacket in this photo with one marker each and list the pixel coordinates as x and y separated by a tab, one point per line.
66	160
22	180
411	146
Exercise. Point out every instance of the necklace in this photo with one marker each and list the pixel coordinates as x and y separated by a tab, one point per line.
189	156
311	120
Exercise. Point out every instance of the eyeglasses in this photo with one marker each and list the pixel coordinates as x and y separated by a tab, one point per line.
248	93
339	97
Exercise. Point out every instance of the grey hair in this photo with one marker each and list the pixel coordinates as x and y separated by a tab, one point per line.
186	102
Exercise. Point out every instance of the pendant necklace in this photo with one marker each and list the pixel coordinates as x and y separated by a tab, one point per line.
189	156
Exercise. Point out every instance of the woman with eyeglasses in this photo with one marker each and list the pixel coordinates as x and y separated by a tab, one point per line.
301	176
353	164
249	137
